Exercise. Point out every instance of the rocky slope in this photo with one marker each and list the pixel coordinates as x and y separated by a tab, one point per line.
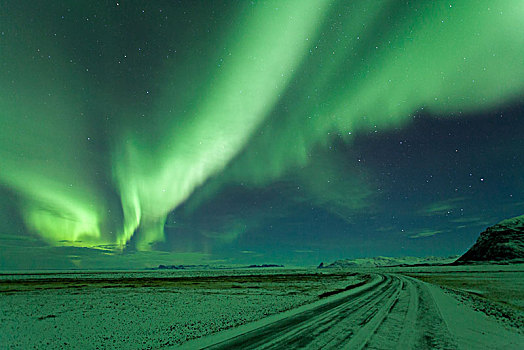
503	242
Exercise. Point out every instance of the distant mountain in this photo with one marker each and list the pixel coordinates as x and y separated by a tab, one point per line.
183	267
503	242
382	261
209	267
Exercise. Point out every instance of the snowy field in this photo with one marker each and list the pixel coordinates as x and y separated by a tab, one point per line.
474	306
499	294
495	290
148	310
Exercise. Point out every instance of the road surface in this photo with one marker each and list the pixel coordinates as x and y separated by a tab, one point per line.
389	312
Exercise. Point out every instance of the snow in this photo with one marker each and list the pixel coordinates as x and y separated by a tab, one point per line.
388	308
383	261
472	329
87	310
503	242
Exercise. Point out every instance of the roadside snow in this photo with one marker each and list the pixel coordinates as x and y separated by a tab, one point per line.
473	329
87	314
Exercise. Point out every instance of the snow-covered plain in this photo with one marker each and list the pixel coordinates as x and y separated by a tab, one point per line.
391	311
498	294
477	306
147	310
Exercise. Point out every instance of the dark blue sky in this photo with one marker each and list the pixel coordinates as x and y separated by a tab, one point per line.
435	185
196	132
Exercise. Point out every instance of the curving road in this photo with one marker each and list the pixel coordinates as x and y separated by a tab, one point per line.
389	312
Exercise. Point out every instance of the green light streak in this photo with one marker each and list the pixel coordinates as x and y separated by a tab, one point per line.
442	58
265	50
44	158
287	78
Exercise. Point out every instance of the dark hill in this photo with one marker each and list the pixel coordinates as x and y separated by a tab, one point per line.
503	242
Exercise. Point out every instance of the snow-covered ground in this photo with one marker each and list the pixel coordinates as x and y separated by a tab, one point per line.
464	307
499	294
391	311
147	309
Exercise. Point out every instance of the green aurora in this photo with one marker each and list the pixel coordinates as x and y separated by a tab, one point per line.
116	115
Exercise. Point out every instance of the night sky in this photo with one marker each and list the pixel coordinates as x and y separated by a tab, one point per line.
139	133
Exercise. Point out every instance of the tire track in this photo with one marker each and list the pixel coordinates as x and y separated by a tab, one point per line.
396	313
316	324
413	323
347	324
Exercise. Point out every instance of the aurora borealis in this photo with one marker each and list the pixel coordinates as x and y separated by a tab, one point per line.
264	131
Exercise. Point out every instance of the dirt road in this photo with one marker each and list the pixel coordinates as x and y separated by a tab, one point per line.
389	312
